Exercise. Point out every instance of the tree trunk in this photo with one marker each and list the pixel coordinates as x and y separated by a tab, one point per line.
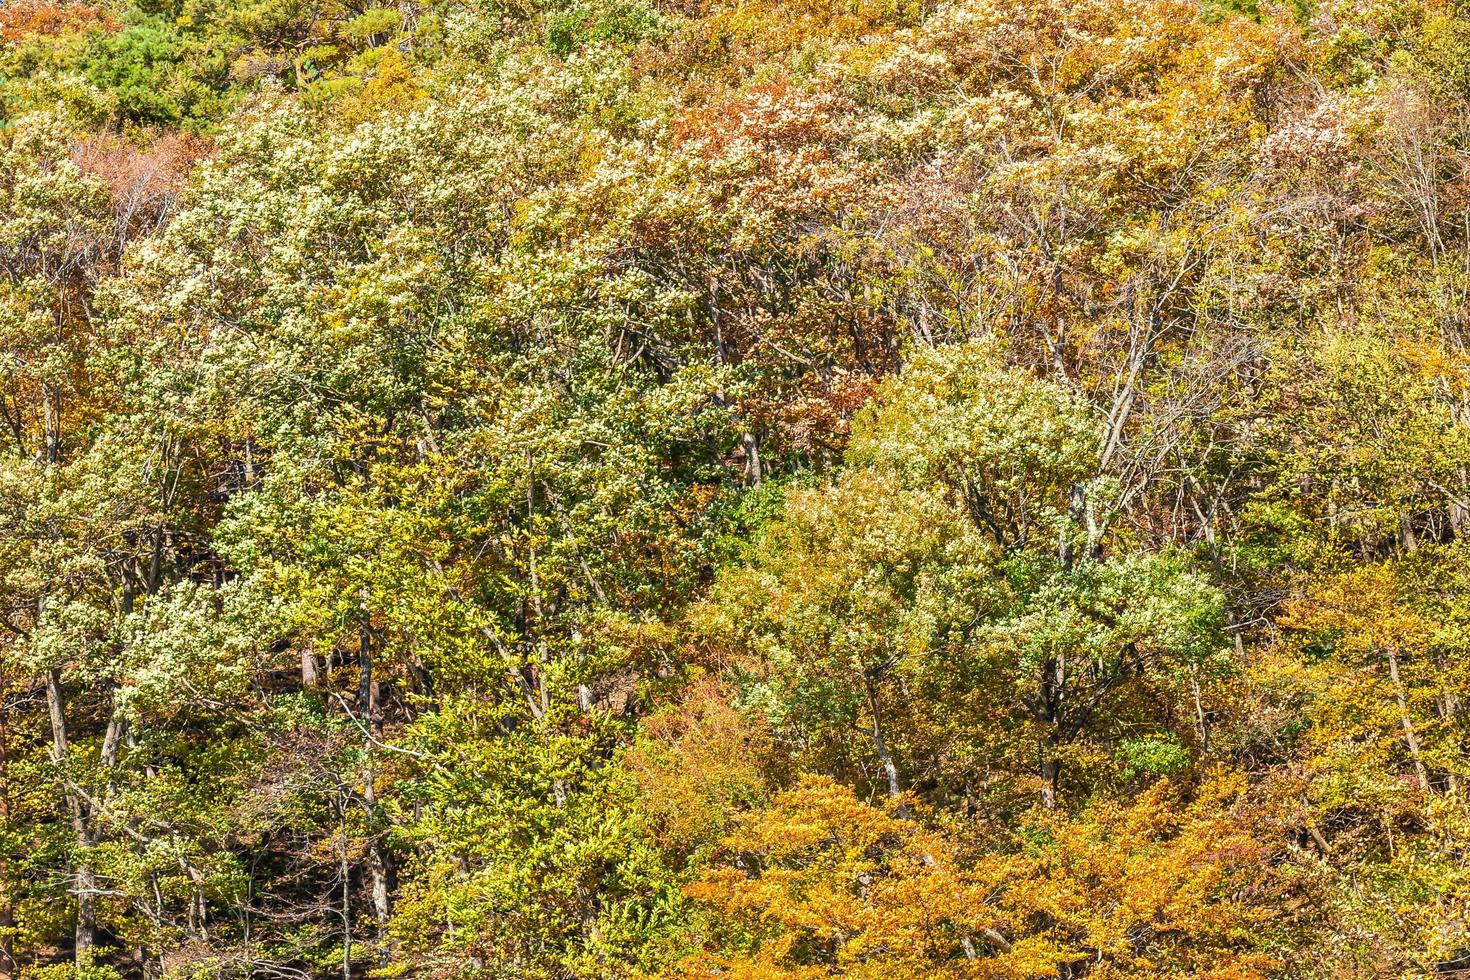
753	472
85	936
1459	514
1050	771
379	869
1049	687
1201	719
346	899
8	966
1408	541
890	771
1450	710
51	422
1409	735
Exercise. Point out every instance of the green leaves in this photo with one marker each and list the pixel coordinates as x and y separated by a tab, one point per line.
929	587
511	501
1013	448
621	24
533	855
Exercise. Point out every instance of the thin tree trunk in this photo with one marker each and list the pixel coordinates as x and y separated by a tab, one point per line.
1408	541
895	788
51	421
86	881
1050	683
1450	708
346	901
1409	735
1199	714
8	967
379	869
1459	514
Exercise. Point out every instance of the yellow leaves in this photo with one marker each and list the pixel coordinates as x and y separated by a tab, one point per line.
695	765
1378	683
758	30
1448	369
823	884
1362	607
393	84
822	875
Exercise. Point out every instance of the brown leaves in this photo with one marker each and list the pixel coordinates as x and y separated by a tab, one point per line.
787	143
144	180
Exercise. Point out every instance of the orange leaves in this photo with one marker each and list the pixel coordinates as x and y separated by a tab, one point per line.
821	420
695	766
784	145
1162	887
823	884
20	19
766	118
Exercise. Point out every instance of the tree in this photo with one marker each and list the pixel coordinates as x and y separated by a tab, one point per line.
978	582
822	884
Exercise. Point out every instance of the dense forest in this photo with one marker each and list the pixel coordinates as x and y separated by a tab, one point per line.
578	489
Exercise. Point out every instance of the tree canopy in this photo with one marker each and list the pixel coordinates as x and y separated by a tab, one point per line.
568	490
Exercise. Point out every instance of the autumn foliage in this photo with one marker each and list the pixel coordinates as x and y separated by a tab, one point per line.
23	19
597	489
